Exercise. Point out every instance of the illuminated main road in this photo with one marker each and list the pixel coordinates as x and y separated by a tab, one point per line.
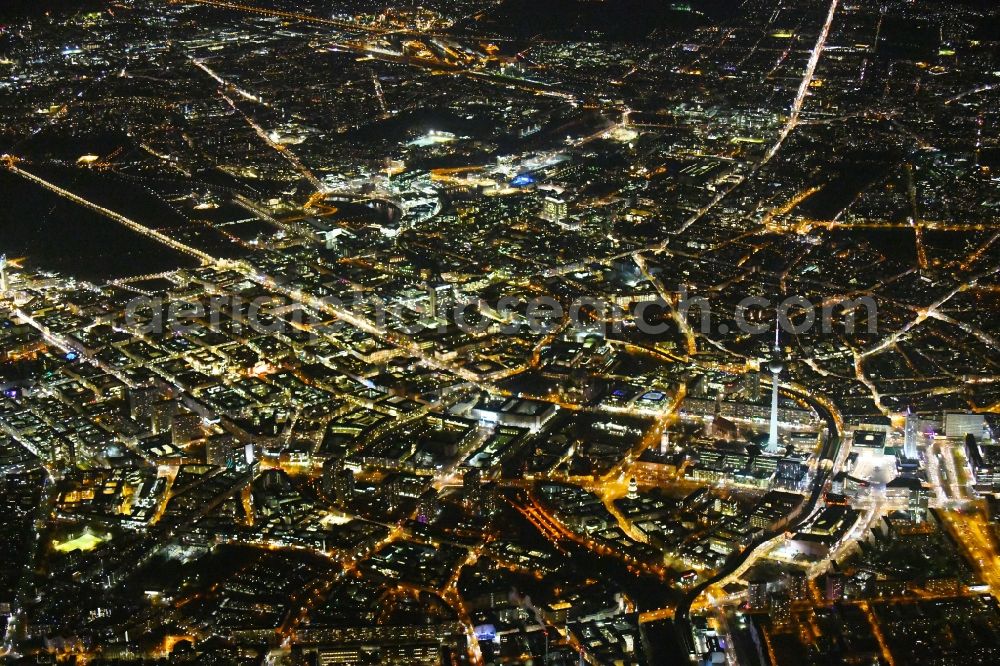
807	79
787	128
297	16
281	149
106	212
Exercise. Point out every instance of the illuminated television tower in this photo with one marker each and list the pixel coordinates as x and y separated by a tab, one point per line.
775	366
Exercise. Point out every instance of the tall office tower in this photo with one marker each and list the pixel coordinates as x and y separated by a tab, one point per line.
437	292
428	506
392	494
916	505
754	388
554	209
4	285
163	412
330	469
343	486
781	611
432	301
251	455
757	593
798	586
437	299
220	450
186	428
338	481
835	582
140	403
911	430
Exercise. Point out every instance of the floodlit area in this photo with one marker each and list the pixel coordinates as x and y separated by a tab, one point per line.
83	542
874	467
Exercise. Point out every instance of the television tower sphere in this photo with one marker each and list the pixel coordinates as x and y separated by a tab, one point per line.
776	366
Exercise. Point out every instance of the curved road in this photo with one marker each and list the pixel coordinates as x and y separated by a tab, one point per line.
829	451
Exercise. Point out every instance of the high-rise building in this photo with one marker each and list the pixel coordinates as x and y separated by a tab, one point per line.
835	583
432	301
338	481
757	593
343	486
220	450
917	504
251	455
838	483
911	431
753	387
438	293
798	586
490	502
392	494
163	415
428	506
554	209
781	611
186	428
140	403
330	469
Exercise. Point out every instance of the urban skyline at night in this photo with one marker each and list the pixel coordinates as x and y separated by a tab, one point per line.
481	332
